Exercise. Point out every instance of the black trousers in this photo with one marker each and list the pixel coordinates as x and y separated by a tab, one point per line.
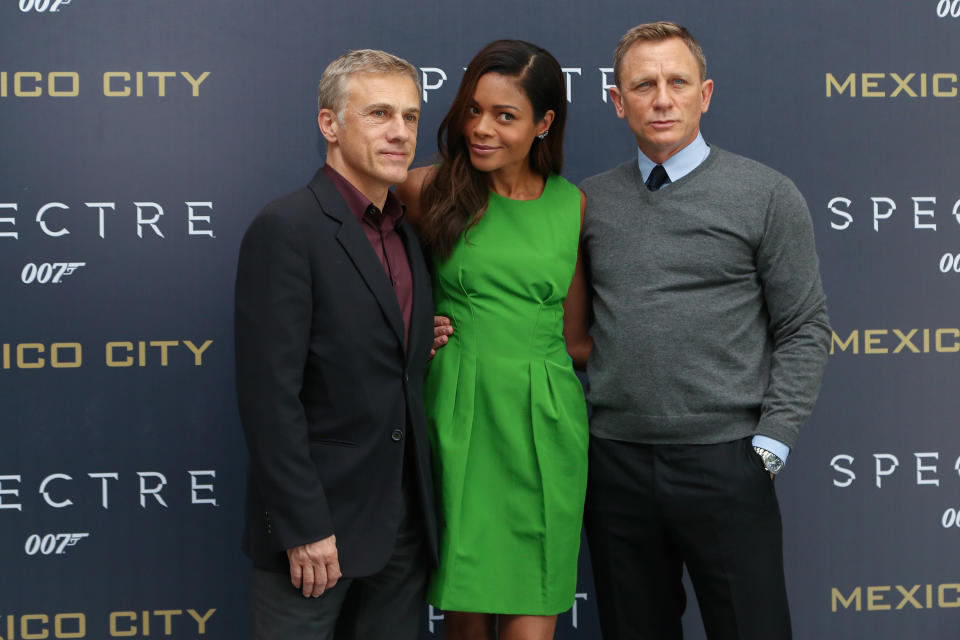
651	509
388	605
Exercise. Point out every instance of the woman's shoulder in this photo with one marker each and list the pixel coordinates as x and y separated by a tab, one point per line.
563	187
410	189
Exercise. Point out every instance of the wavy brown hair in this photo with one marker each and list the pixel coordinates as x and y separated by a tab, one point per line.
457	196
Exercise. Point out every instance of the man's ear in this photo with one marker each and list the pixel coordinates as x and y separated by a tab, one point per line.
706	92
329	125
617	100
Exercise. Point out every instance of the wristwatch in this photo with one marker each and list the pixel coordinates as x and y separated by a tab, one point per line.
771	461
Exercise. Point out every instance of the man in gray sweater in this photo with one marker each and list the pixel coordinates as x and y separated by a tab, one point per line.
710	336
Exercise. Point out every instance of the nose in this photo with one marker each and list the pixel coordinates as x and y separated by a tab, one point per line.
399	129
661	100
481	125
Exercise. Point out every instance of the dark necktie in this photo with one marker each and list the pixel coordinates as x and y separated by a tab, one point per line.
657	178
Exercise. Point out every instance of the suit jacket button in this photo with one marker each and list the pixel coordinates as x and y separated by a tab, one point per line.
397	435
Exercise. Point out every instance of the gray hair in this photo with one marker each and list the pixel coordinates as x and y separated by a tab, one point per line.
332	90
653	32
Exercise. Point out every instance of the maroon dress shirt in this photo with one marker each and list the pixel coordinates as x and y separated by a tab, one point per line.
380	227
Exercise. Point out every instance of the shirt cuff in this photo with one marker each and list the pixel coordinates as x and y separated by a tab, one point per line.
773	446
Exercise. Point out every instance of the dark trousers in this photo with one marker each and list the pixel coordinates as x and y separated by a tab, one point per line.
388	605
651	509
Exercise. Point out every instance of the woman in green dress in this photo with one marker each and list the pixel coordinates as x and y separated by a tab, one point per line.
507	413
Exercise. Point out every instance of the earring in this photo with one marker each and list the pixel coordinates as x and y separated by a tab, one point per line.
544	134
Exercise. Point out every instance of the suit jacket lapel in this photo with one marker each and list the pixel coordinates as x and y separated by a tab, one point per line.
358	249
422	298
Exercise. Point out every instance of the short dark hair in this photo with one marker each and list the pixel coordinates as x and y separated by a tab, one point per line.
652	32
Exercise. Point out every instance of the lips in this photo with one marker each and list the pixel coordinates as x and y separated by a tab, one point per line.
482	149
395	155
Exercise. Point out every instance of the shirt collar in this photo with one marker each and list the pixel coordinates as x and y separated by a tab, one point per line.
358	203
679	164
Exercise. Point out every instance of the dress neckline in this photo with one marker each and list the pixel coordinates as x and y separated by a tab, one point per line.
505	198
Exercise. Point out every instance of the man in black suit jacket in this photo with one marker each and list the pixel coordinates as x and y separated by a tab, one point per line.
333	331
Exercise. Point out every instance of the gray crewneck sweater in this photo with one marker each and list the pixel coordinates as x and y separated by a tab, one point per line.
710	322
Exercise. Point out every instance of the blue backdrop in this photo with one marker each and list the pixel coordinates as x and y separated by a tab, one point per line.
138	138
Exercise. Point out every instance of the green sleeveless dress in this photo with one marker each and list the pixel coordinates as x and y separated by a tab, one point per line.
507	414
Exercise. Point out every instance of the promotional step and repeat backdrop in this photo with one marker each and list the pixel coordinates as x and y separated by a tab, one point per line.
138	138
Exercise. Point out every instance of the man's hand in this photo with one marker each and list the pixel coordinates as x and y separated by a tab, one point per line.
314	567
441	330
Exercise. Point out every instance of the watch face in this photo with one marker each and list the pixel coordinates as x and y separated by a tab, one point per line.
772	462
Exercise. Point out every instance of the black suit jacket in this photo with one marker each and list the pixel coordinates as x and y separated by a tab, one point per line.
329	397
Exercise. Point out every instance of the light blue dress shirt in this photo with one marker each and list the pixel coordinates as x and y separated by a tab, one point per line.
677	166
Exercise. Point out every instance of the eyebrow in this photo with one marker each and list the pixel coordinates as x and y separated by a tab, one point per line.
388	107
650	77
